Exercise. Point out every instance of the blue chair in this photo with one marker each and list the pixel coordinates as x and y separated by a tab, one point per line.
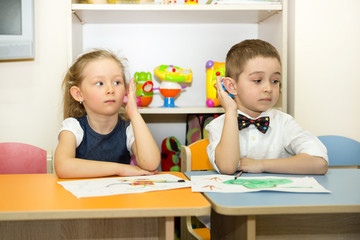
342	151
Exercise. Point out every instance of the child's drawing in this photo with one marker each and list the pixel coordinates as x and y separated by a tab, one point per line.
227	183
258	183
122	185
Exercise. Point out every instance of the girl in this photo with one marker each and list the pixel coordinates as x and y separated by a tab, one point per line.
94	140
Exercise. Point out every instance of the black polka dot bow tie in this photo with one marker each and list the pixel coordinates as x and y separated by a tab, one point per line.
262	123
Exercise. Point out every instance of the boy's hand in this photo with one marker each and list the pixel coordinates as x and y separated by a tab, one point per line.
225	100
131	106
251	165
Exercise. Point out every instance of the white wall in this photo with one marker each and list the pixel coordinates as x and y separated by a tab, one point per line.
324	66
324	60
30	92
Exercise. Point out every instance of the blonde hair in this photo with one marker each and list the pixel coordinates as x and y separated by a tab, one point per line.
242	52
74	77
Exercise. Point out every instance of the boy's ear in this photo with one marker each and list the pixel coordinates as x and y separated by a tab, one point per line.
76	93
230	85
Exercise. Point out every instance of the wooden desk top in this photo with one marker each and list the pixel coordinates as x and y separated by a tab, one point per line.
39	196
344	185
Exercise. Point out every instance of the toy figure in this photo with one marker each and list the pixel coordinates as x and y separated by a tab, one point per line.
170	154
171	76
188	2
169	1
213	70
144	88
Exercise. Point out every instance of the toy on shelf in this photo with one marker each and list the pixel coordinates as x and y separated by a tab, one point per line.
213	70
169	1
170	76
188	2
144	88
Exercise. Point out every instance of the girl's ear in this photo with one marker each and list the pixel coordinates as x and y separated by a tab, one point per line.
230	85
76	93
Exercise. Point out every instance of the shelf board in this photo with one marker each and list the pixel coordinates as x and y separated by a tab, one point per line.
155	13
185	110
181	110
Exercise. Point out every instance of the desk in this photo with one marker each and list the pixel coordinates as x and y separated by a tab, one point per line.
35	206
281	215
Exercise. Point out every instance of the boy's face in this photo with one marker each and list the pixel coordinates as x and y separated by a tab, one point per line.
258	86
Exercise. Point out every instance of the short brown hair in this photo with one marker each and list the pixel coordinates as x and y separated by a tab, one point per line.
242	52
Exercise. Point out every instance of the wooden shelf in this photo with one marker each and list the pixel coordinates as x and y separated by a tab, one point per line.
181	110
155	13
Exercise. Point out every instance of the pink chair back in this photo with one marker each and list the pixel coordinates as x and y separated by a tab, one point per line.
20	158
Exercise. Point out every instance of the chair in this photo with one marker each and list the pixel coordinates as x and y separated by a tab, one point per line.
343	152
196	150
20	158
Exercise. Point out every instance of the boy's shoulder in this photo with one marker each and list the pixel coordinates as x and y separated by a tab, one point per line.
277	114
279	117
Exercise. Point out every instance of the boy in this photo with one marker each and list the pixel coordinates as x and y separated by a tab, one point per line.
274	142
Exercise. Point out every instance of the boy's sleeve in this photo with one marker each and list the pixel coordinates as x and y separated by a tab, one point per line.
215	129
73	125
300	141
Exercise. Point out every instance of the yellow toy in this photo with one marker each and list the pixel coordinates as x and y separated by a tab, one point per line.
173	73
213	70
188	2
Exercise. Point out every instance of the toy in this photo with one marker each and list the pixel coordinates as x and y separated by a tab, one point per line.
170	154
170	76
188	2
169	1
144	88
213	70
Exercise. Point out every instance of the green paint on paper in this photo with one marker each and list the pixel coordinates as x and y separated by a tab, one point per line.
258	183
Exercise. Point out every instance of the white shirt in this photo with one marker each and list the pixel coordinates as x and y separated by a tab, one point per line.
73	125
284	138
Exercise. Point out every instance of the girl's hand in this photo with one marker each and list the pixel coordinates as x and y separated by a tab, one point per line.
132	170
131	106
225	100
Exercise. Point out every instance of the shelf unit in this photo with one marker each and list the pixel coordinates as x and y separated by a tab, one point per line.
149	35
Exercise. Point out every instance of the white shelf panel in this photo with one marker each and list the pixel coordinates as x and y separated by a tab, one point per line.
140	13
185	110
181	110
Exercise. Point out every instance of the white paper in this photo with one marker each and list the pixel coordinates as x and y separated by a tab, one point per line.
113	186
215	183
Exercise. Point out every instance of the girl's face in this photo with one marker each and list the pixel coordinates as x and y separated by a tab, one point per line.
103	87
258	86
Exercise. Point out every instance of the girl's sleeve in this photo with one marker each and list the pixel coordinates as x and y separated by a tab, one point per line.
72	125
130	138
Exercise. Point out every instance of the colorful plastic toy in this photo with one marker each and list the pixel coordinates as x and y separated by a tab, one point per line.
213	70
170	154
188	2
144	88
170	76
